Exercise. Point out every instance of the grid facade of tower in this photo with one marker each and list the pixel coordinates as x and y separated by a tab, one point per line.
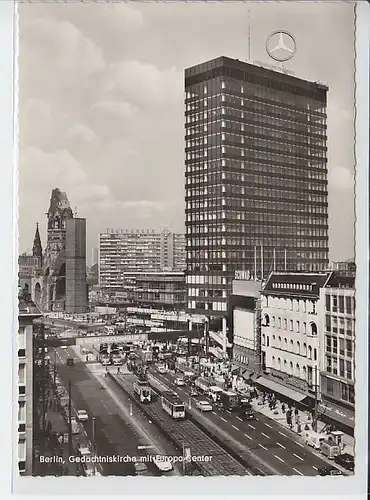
256	177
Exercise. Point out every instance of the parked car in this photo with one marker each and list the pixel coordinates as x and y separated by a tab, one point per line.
329	471
204	406
346	460
82	415
74	425
141	469
162	464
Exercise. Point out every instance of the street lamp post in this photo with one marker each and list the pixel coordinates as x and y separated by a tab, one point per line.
55	366
94	445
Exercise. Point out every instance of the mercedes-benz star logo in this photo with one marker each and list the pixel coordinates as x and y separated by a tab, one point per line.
281	46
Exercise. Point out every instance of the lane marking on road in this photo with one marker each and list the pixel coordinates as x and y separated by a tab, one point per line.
314	467
246	435
301	445
214	413
235	427
268	425
252	426
266	436
261	445
239	419
224	419
228	411
297	456
281	460
282	433
297	471
281	446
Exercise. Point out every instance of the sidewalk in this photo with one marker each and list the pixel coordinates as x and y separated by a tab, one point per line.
54	449
304	419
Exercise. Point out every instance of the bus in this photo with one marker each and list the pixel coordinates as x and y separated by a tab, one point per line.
172	404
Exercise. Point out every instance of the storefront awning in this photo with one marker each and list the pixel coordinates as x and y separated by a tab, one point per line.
281	389
337	413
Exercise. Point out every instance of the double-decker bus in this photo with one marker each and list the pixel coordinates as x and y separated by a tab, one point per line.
172	404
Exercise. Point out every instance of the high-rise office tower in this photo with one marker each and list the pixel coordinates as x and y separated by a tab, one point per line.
256	177
76	285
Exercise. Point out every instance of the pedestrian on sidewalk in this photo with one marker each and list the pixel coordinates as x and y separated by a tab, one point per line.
118	370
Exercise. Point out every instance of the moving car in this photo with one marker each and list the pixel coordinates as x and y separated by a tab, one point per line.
194	392
329	471
70	361
247	414
179	382
204	406
346	460
162	369
82	415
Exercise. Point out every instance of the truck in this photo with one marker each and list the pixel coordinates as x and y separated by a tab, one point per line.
214	393
229	400
202	384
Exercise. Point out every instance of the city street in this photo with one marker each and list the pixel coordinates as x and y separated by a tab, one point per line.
270	442
113	434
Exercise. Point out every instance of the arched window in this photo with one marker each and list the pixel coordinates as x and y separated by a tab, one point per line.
279	322
297	370
285	365
285	324
285	344
305	349
273	360
305	373
273	321
279	364
291	367
298	348
279	343
315	354
297	326
268	341
313	328
304	327
273	340
263	339
267	320
291	346
309	352
291	325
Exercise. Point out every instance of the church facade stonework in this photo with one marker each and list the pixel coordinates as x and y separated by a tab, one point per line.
50	281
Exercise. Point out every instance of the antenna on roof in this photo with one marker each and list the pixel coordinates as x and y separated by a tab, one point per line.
75	212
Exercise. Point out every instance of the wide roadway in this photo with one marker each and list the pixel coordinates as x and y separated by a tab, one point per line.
113	434
270	442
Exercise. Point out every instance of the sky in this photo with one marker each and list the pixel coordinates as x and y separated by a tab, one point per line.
101	104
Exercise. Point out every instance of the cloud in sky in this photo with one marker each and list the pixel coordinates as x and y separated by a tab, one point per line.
101	103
